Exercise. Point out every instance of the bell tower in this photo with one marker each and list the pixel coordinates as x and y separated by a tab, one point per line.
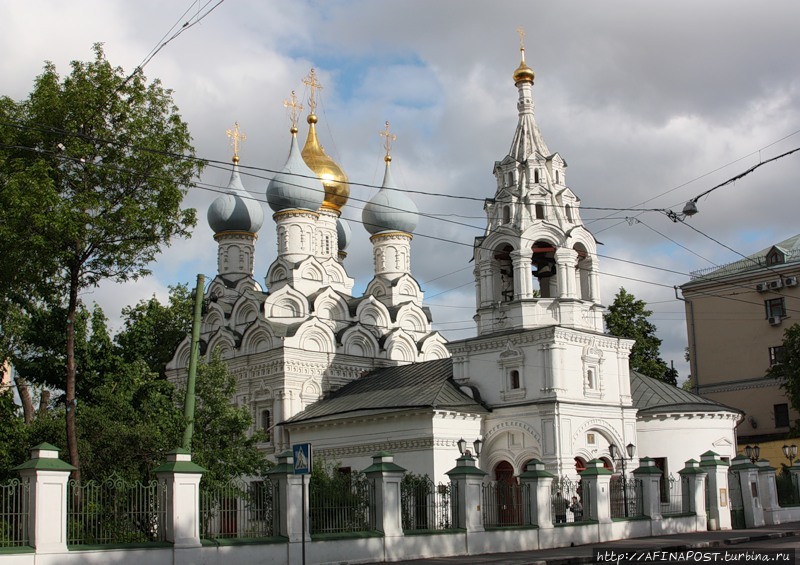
536	264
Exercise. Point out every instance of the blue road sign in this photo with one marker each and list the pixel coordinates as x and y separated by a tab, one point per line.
302	458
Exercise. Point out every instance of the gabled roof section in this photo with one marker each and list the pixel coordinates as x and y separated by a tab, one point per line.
427	385
789	248
651	396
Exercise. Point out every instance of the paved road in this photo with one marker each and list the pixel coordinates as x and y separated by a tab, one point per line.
780	537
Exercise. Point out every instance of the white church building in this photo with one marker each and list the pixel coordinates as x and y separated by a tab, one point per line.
355	375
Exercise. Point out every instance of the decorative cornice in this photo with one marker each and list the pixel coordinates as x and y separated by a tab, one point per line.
729	386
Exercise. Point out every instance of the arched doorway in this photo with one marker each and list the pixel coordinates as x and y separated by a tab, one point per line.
580	464
508	499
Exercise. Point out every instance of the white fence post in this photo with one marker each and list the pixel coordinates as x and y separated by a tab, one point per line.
290	493
540	482
387	476
596	481
719	510
751	496
182	479
47	514
768	490
693	487
650	477
469	481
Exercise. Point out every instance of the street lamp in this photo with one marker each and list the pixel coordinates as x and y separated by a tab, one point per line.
752	452
476	445
613	451
790	452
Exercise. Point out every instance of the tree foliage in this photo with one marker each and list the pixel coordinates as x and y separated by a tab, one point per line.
152	330
221	443
90	190
787	371
628	317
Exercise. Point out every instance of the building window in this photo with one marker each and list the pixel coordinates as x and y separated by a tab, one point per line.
540	212
514	379
266	423
590	382
775	308
536	175
558	178
781	412
506	214
776	355
568	210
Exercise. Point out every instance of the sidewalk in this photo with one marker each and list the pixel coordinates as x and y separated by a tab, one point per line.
583	553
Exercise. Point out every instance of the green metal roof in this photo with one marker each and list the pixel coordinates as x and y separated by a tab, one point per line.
651	396
427	385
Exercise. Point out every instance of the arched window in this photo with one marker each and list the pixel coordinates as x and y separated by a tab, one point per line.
514	379
536	175
506	214
590	381
540	211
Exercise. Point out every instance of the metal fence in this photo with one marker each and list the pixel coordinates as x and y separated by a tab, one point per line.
427	506
674	495
14	496
115	511
568	501
240	509
626	498
506	504
342	503
788	489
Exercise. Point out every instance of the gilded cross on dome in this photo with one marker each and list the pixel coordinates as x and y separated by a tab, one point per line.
313	84
387	144
237	137
294	109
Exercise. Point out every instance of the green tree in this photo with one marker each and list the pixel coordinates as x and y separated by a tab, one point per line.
90	159
628	317
787	371
221	443
153	330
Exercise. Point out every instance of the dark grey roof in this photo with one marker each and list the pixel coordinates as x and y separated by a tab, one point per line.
652	396
790	248
416	386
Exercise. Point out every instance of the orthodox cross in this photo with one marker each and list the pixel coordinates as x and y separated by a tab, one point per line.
390	137
313	84
521	33
237	137
295	109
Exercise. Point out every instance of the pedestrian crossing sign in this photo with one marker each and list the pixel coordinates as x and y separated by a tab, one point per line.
302	458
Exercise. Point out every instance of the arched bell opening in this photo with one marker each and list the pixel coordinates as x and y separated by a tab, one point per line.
503	274
583	272
544	270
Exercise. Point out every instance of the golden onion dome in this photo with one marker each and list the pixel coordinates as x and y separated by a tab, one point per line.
337	188
523	73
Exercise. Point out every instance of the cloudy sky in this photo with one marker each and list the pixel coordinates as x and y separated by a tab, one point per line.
650	103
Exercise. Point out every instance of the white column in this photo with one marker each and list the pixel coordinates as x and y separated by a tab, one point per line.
566	259
768	491
469	484
719	510
182	479
523	283
540	482
747	473
47	515
387	476
650	475
693	485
